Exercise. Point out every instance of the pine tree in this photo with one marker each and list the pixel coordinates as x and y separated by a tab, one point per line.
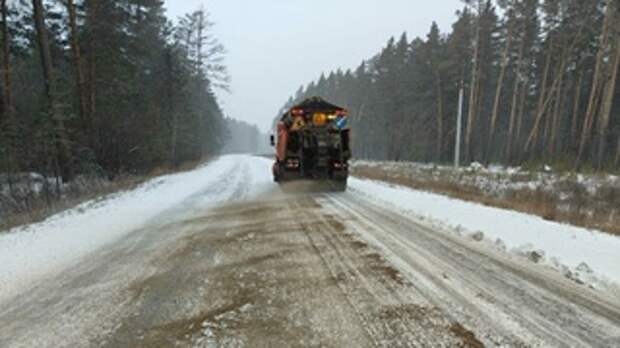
61	140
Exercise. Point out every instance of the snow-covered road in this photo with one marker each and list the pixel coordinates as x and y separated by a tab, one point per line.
220	257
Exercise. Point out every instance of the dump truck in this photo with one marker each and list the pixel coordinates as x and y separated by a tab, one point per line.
313	143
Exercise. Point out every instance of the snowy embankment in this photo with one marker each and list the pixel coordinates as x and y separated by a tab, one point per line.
500	181
40	250
578	253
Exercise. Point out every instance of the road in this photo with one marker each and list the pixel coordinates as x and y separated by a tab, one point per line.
313	269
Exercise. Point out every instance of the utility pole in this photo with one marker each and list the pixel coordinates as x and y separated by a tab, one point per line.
459	123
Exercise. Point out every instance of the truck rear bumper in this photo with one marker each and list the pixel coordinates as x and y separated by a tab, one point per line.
283	174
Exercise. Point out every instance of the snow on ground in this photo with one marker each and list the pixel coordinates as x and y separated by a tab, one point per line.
560	245
496	180
38	250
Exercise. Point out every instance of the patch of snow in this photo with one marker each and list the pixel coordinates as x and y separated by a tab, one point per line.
567	245
478	236
28	254
476	166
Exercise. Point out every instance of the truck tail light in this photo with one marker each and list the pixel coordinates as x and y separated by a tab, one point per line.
292	163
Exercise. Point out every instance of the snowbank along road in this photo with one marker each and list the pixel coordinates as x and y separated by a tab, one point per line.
231	261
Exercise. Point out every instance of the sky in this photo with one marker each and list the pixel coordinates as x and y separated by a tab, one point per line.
275	46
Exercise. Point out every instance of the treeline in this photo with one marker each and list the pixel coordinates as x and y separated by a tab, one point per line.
539	80
245	138
91	87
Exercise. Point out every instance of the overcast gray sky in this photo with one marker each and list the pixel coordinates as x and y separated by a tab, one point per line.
274	46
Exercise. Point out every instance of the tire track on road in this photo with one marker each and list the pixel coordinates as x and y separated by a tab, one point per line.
391	320
529	312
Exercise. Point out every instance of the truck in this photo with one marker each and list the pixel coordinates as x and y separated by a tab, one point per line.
313	144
